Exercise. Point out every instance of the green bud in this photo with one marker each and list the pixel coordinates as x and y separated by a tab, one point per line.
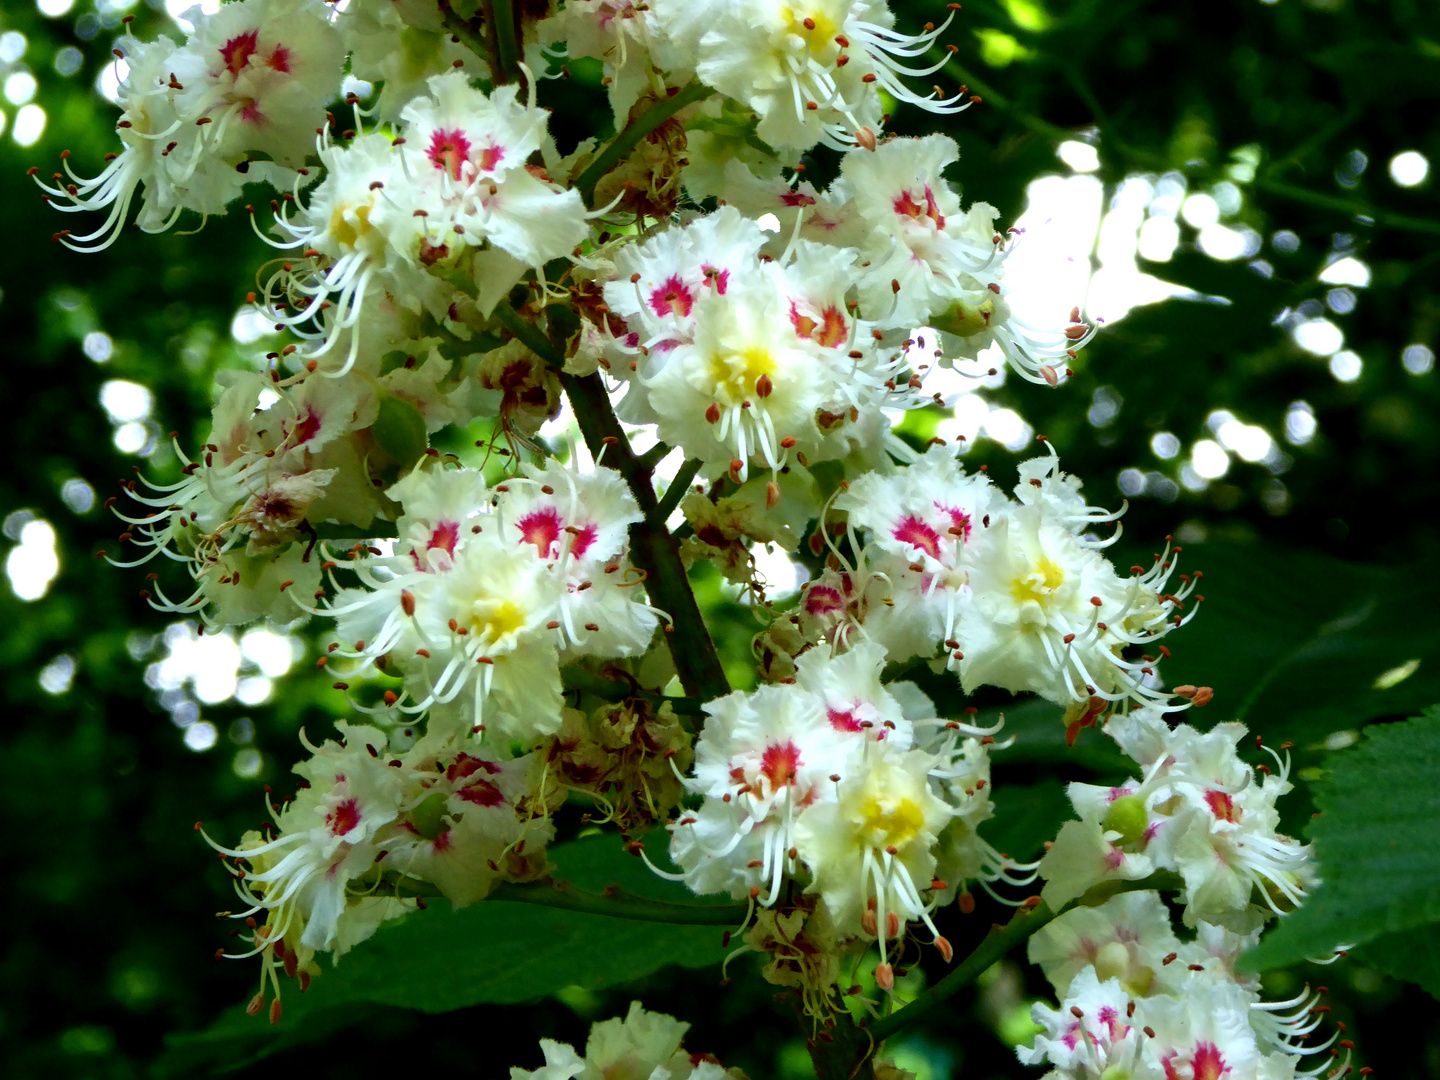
1127	817
429	817
964	319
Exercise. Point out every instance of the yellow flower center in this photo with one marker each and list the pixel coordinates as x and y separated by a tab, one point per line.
820	32
347	232
494	620
1038	585
736	374
890	822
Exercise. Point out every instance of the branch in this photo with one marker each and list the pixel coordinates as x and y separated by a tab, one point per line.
531	335
1000	941
626	141
1348	208
652	547
502	38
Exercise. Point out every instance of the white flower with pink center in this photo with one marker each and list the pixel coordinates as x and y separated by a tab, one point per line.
744	362
260	72
253	79
454	191
920	523
578	525
1093	1035
490	590
326	837
851	694
761	761
870	849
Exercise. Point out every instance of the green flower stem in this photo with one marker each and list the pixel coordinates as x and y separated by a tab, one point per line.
618	904
626	141
1000	941
533	337
676	492
652	547
502	37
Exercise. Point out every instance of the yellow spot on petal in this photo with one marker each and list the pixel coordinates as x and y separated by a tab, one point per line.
493	620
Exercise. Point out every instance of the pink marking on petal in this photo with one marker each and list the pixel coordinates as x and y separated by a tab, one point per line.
958	520
845	720
482	793
796	198
490	157
279	60
448	152
822	599
306	427
917	533
468	765
541	528
344	817
1222	806
717	279
671	295
779	764
236	52
582	539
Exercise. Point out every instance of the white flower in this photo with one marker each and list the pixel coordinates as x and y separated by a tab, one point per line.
812	71
491	590
454	191
253	79
871	850
921	522
762	759
642	1046
1127	938
744	361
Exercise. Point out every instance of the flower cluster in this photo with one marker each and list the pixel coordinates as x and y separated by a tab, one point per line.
517	619
1197	811
488	593
373	825
1013	593
837	786
239	101
1137	1002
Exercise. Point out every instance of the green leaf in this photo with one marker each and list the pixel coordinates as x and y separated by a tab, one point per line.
1299	645
491	952
1412	955
1375	843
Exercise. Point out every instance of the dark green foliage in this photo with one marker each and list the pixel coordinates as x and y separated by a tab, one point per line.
1375	844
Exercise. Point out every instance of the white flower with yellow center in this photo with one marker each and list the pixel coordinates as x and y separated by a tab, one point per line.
811	69
870	850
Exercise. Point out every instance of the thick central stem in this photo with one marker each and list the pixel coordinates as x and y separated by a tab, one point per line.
652	547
